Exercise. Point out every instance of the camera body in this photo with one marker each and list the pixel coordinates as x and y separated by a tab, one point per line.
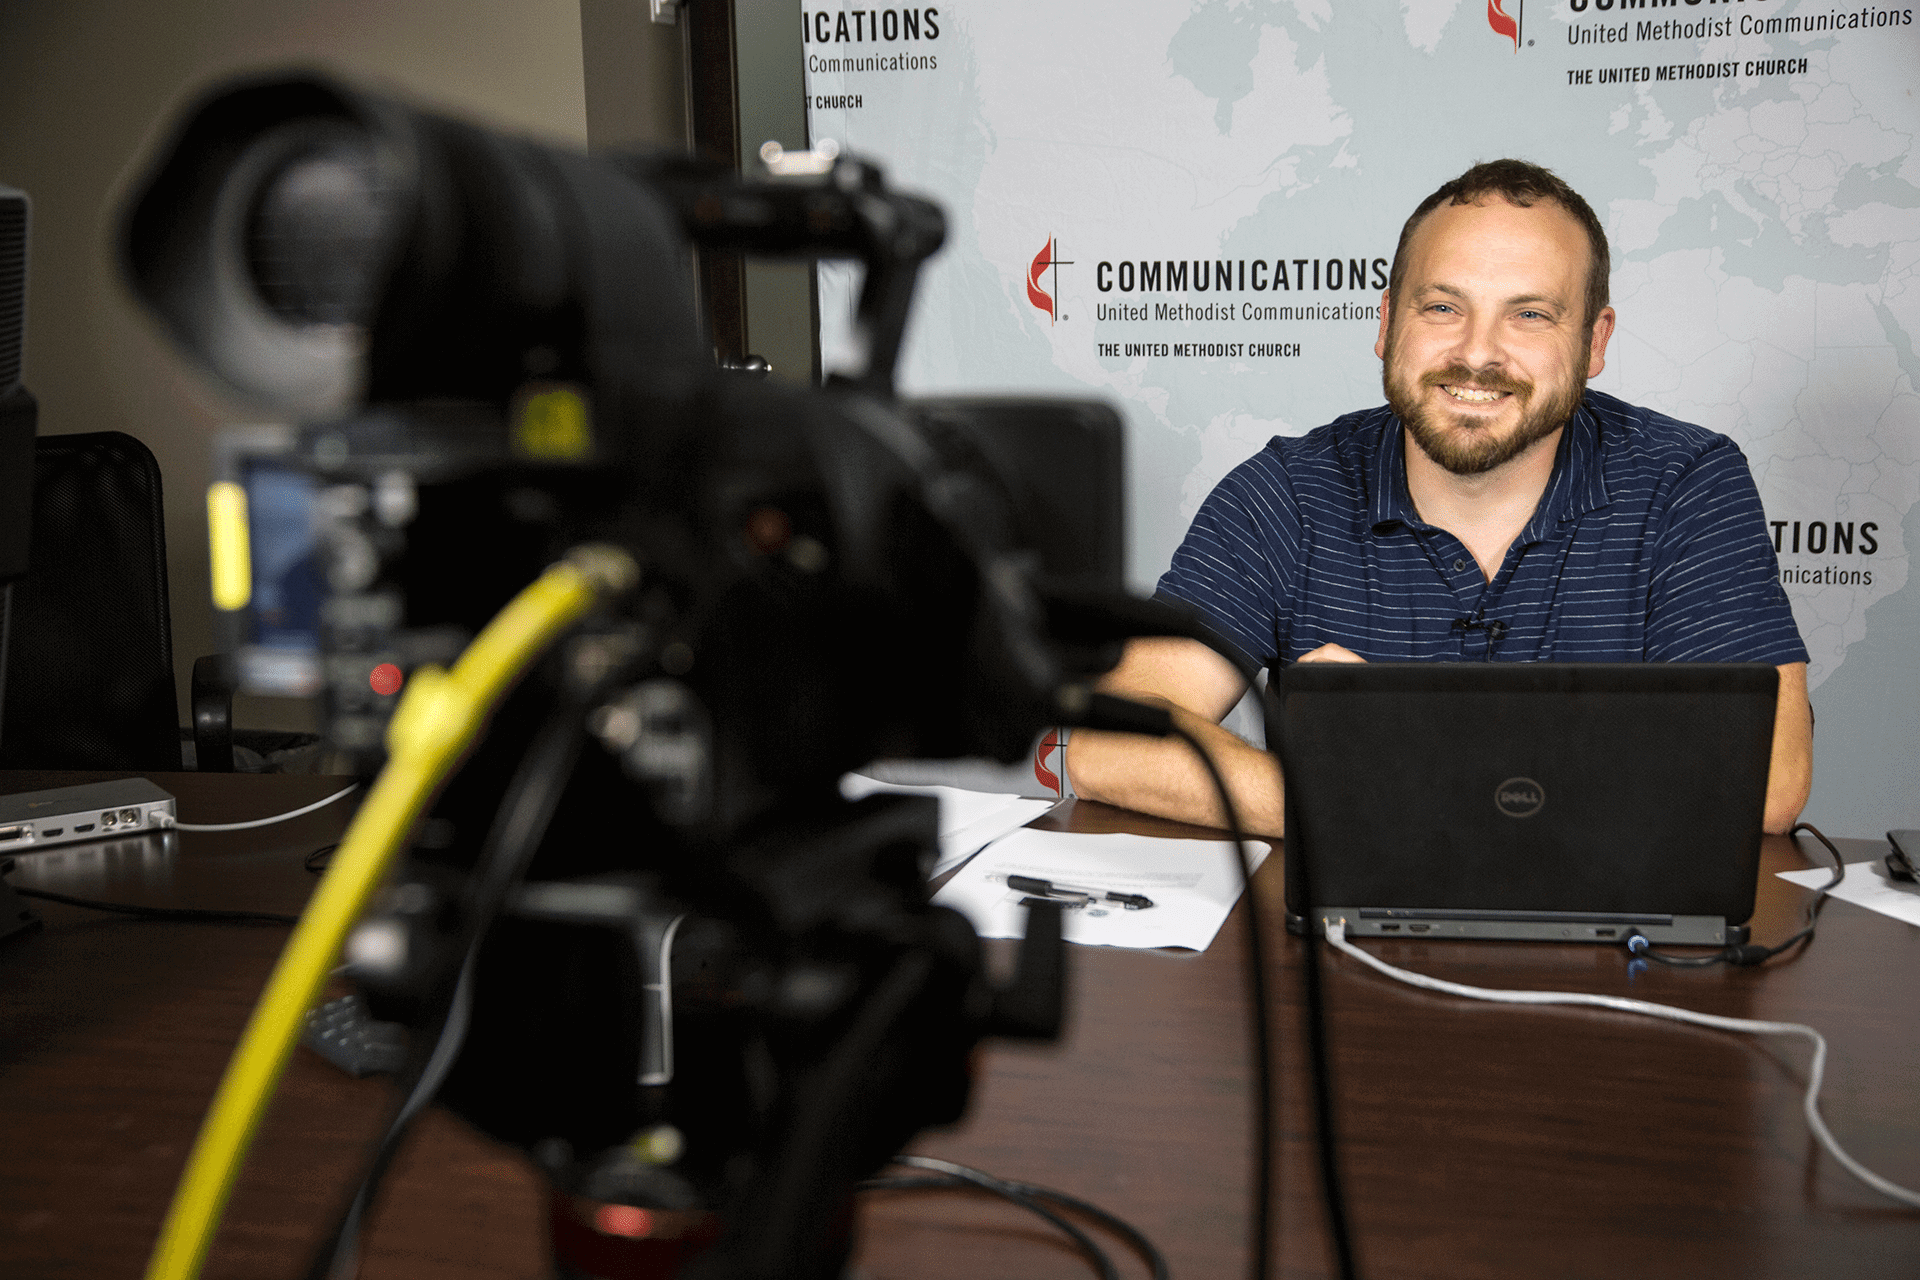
711	989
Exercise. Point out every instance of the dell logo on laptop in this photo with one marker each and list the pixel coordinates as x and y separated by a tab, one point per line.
1519	797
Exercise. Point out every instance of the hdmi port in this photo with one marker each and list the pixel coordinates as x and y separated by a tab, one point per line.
84	827
1418	928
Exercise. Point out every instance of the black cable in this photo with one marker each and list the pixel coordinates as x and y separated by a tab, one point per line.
941	1182
1637	944
1332	1195
1333	1198
1261	1243
315	862
202	915
1162	620
528	807
1748	954
812	1152
948	1175
1134	1237
1819	898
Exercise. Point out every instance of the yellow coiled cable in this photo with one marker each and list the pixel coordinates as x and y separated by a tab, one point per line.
438	718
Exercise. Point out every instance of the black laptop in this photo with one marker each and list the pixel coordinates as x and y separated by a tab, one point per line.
1576	802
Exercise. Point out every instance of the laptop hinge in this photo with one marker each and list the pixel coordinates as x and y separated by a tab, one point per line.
1515	917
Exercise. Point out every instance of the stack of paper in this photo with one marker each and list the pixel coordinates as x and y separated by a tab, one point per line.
1191	884
969	820
1866	885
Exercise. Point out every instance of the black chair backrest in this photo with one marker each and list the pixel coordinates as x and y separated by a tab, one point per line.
89	681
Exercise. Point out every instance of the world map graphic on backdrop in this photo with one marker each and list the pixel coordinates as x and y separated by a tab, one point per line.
1190	210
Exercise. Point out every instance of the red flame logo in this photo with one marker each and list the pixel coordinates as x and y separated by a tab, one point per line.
1051	742
1035	294
1502	24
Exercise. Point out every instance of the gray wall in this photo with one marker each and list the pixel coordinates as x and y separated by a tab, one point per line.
635	90
84	89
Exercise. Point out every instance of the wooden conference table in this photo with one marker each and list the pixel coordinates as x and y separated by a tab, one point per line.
1478	1141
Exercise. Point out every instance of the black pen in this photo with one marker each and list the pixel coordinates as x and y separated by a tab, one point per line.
1046	888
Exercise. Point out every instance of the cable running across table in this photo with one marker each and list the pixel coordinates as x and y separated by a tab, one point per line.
1337	935
166	820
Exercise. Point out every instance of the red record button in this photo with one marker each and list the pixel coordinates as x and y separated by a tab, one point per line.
386	679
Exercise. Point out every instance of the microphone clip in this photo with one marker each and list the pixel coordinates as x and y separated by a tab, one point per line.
1495	629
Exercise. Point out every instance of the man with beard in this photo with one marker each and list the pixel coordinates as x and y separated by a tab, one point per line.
1495	509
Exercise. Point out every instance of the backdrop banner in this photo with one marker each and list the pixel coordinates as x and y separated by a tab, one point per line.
1191	209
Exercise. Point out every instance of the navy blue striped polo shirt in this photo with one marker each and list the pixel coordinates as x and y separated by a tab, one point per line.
1649	544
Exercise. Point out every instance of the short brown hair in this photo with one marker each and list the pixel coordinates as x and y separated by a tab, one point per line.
1522	184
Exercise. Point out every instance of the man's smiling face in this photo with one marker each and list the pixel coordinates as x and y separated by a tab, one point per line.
1487	349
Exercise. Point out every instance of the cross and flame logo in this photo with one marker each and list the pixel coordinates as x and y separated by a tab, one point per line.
1505	24
1048	259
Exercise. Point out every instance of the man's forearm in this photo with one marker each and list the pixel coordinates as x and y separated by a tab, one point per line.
1790	776
1162	776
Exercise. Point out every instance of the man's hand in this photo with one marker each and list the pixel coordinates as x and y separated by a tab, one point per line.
1330	653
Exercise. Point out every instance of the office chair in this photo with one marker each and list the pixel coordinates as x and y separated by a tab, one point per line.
89	657
89	680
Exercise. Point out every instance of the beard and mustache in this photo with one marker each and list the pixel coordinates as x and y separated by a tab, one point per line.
1465	444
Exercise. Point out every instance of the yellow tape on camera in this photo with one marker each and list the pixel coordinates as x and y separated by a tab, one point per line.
552	422
227	538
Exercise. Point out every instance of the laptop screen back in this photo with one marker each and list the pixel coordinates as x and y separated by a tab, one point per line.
1533	794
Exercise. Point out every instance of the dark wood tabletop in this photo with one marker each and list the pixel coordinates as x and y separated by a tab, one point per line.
1477	1140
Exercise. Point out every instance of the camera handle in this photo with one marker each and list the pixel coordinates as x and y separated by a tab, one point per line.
844	212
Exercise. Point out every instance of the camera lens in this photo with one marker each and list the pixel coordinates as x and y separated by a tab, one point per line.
313	240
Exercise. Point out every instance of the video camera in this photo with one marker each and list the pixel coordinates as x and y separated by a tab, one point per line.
640	934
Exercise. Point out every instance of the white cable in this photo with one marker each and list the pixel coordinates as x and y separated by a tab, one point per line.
166	821
1337	935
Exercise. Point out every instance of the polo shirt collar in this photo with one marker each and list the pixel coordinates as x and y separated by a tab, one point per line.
1388	501
1578	483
